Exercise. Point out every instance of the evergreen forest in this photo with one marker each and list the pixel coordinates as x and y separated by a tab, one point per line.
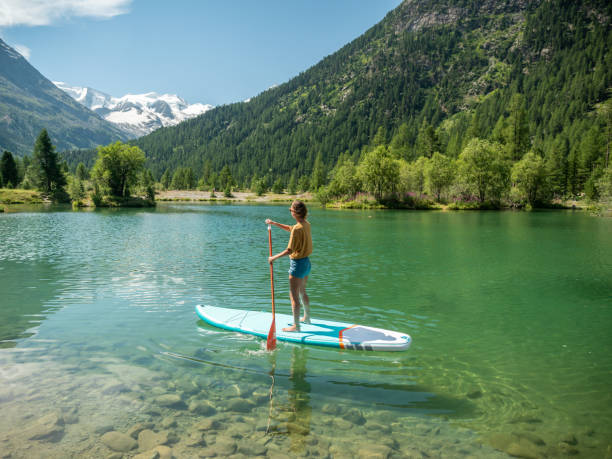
433	83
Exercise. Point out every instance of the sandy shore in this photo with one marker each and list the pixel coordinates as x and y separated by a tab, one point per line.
237	196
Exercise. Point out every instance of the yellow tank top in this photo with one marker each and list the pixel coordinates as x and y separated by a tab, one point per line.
300	241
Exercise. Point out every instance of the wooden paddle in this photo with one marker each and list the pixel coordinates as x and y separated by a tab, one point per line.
271	343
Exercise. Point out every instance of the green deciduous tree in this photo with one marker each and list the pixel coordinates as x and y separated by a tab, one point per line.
482	168
412	175
439	174
378	172
529	177
45	170
345	181
117	168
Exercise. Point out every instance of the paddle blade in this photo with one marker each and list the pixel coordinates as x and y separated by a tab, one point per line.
271	343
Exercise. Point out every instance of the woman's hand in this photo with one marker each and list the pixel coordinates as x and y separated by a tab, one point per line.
268	221
270	260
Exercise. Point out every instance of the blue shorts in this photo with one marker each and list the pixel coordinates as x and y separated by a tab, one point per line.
299	268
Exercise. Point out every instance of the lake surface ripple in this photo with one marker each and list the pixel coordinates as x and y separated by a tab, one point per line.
101	352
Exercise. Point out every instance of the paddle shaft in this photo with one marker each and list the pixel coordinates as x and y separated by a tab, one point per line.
271	342
271	269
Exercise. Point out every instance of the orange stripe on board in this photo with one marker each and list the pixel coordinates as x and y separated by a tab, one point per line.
340	335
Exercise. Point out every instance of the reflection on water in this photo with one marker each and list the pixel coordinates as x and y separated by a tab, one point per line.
509	313
296	412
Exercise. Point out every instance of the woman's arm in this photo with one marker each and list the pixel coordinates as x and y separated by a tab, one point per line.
280	225
284	253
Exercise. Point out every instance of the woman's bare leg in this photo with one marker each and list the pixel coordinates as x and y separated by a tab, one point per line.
294	295
305	300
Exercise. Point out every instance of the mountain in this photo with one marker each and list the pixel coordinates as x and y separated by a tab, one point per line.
443	69
29	102
135	114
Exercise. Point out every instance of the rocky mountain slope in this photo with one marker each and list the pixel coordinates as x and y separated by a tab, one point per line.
29	102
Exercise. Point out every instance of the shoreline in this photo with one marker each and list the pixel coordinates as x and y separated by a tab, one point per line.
237	196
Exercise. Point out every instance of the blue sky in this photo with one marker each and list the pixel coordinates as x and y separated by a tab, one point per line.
208	51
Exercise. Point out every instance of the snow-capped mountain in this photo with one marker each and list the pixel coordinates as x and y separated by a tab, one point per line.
136	114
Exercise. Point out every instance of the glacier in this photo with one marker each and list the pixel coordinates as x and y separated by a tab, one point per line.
136	114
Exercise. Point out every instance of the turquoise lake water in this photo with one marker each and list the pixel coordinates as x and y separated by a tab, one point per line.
510	315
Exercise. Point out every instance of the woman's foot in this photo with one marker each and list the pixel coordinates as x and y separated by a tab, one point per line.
305	319
293	328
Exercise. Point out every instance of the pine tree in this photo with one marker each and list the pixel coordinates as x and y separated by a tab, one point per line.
9	176
318	174
46	172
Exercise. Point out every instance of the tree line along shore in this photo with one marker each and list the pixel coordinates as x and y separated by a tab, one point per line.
486	175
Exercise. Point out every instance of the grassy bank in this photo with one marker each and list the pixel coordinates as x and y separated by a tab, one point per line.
15	196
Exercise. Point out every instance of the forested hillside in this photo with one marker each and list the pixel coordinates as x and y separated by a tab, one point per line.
428	78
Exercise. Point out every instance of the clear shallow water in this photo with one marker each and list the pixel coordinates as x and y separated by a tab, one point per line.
510	315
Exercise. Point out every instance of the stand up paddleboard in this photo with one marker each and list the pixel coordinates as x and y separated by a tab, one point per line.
319	332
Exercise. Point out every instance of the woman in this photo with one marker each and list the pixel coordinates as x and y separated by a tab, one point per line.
298	249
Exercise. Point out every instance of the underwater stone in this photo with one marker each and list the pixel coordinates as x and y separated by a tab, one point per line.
568	449
331	408
203	408
524	449
168	423
533	438
118	441
240	405
170	401
137	428
570	439
354	415
373	451
224	446
147	439
147	455
207	424
48	428
196	439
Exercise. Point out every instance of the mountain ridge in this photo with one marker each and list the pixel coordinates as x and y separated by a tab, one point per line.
30	102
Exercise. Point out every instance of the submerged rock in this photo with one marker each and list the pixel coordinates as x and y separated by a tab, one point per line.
570	439
147	439
524	449
196	439
203	408
47	428
354	415
373	451
240	405
224	446
207	424
137	428
170	401
118	441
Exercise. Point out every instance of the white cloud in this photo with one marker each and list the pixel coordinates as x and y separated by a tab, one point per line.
45	12
23	50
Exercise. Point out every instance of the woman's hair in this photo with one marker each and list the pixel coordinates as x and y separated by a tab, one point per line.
299	208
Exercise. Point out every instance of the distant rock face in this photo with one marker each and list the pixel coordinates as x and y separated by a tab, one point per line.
135	114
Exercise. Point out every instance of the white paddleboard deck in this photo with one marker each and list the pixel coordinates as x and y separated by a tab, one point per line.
320	332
